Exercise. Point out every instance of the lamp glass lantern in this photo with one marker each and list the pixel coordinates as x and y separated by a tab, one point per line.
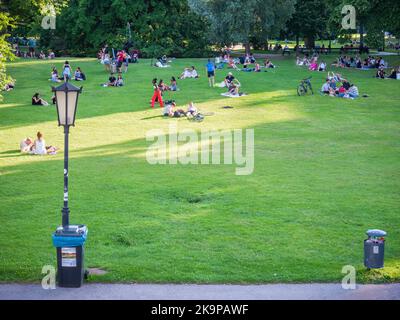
66	102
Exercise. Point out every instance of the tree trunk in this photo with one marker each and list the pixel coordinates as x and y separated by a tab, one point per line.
361	34
309	41
297	40
247	47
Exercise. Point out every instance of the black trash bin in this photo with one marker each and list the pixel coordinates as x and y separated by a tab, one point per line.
374	249
69	243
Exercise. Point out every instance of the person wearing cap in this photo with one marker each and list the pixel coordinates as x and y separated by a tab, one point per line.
228	80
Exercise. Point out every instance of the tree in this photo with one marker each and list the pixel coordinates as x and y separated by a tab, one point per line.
309	21
85	25
243	21
372	17
27	13
5	51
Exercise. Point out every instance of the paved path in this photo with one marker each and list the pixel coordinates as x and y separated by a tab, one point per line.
201	292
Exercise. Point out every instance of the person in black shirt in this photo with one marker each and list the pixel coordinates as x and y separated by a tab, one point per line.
112	80
228	80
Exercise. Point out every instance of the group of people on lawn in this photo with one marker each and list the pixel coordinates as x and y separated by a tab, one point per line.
394	74
336	86
311	63
37	146
370	62
66	73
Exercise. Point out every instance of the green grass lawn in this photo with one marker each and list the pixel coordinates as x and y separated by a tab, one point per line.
326	170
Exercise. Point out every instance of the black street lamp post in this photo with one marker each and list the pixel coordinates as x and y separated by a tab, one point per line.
68	239
67	102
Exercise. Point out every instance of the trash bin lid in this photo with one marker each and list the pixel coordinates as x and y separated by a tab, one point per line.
73	236
376	233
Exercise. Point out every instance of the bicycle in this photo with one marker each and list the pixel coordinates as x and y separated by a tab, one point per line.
304	86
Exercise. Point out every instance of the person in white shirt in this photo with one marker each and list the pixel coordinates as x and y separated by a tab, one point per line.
26	145
40	145
326	87
353	91
322	66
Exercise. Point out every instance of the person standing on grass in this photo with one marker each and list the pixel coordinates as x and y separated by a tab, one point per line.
157	94
211	73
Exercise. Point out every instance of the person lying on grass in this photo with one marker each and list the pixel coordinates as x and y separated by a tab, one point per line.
256	68
9	85
38	101
232	64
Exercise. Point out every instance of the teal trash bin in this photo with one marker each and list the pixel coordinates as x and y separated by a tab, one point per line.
69	243
374	249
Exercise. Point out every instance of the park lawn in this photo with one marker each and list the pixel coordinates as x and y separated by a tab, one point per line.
326	170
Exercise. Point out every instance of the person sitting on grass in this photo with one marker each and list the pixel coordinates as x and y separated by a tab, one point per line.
51	55
380	73
173	86
395	73
192	110
228	79
234	87
39	145
189	73
38	101
26	145
313	65
112	80
268	64
40	148
168	110
353	91
54	76
163	87
326	88
79	75
42	55
322	66
120	81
